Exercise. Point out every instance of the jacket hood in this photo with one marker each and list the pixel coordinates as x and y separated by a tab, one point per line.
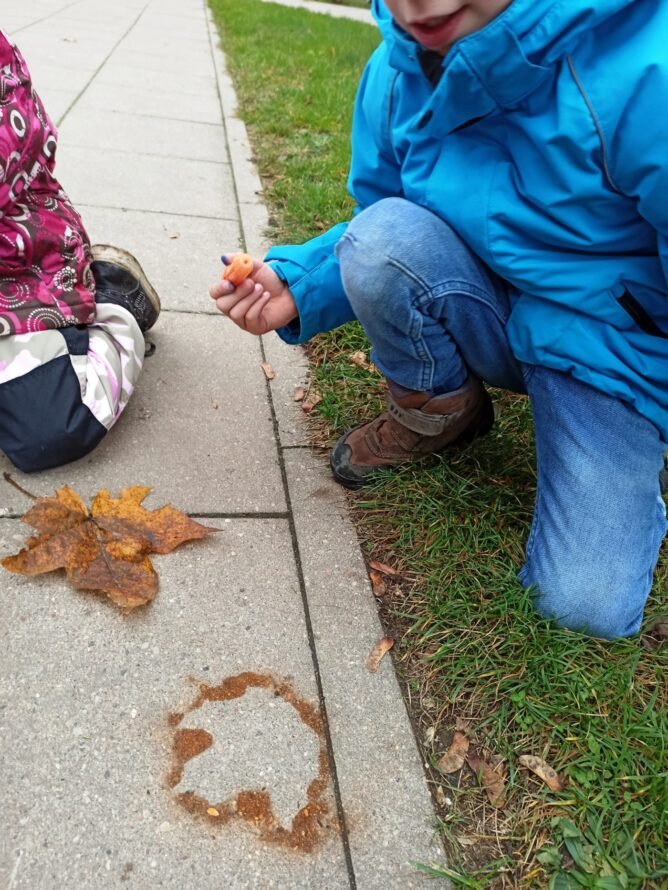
498	66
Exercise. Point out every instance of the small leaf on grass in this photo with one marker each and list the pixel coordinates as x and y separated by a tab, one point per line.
454	757
378	584
545	772
299	394
269	372
310	401
656	635
382	568
106	548
378	652
490	779
462	724
465	841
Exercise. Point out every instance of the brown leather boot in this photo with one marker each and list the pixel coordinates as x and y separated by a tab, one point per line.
414	425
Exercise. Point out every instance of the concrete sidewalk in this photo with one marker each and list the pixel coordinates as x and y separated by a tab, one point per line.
97	788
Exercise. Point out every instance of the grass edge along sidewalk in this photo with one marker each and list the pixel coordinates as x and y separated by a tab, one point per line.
472	654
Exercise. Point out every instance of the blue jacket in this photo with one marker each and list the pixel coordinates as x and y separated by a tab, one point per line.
557	110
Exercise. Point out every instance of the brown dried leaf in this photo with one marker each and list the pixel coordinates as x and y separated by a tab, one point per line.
454	757
381	567
269	372
106	548
378	584
543	770
466	841
656	635
378	652
299	393
310	401
490	779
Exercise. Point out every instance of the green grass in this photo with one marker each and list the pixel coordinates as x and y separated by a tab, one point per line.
472	646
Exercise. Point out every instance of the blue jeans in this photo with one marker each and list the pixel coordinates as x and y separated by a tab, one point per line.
434	313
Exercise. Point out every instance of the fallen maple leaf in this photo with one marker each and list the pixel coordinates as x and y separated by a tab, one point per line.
269	372
454	757
105	548
378	652
490	779
543	770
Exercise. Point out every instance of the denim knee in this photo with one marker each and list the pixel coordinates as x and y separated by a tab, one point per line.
582	599
364	253
391	238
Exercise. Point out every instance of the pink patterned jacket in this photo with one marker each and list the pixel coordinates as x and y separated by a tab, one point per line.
45	277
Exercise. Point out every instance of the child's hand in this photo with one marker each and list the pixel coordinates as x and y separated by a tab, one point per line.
259	304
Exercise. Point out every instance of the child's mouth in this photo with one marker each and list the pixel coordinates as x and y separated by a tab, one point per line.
438	32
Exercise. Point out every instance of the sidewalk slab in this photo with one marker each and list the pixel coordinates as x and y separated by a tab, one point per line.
199	64
389	813
36	43
163	185
98	127
183	82
57	77
92	795
88	745
203	108
292	373
198	430
180	254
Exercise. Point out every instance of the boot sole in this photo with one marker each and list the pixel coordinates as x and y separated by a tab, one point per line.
107	253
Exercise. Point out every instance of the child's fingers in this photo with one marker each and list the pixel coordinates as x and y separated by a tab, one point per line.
238	312
231	296
255	310
221	289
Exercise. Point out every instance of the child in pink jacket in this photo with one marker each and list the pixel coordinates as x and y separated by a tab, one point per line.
72	316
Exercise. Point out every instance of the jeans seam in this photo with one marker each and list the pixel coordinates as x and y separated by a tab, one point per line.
533	533
444	289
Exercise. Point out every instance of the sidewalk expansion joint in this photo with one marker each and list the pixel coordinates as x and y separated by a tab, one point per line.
156	212
45	17
311	640
240	515
100	66
151	154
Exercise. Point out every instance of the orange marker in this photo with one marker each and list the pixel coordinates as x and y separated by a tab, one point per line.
239	269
